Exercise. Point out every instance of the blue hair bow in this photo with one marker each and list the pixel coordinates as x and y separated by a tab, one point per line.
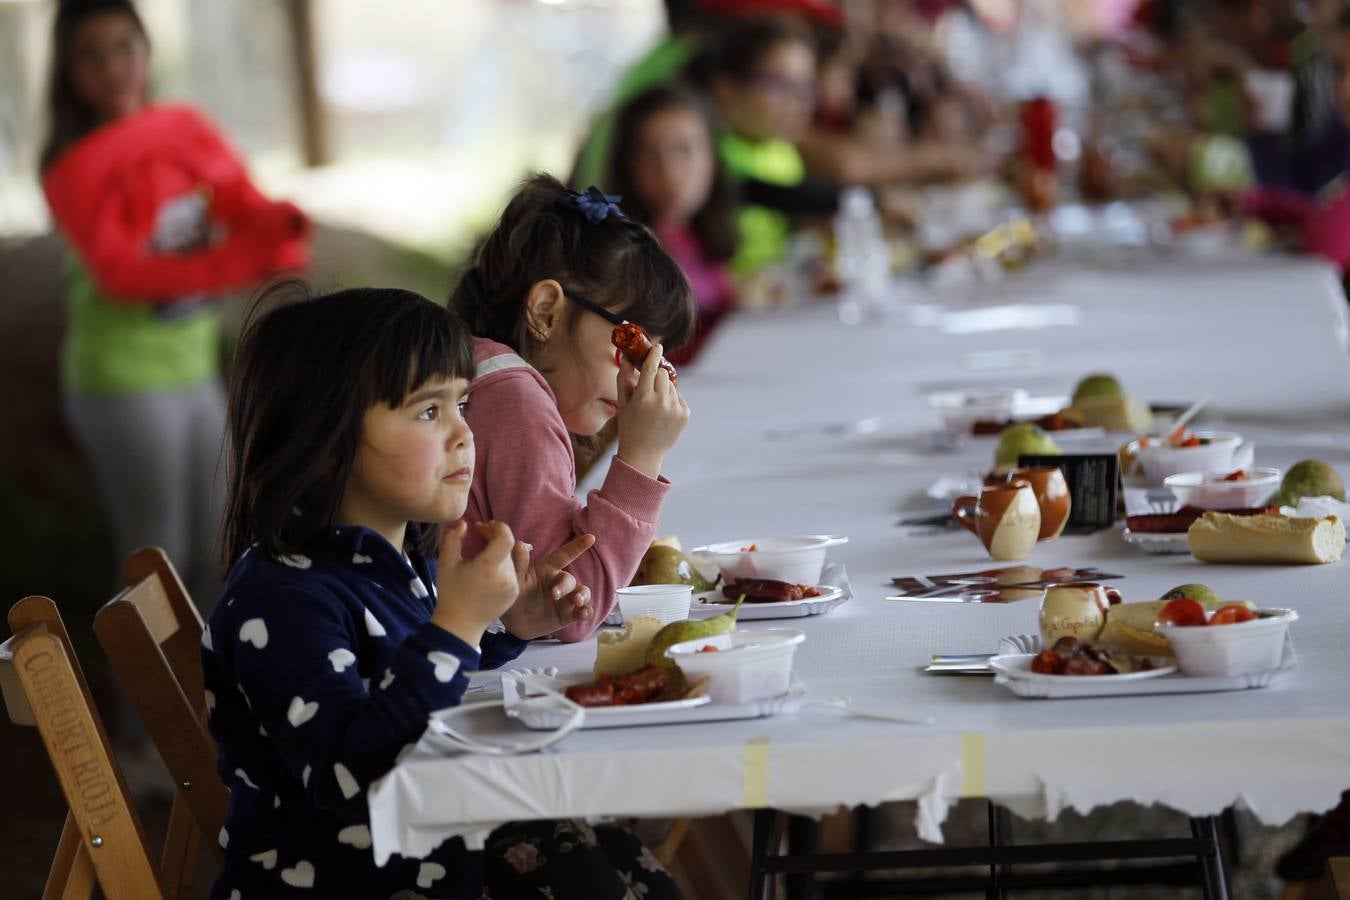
595	206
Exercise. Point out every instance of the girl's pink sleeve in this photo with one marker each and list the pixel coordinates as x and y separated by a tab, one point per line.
525	477
1327	231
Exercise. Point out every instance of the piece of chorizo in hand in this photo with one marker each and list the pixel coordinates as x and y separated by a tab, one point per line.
634	344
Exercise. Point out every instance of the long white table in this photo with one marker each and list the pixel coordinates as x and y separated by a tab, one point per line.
774	448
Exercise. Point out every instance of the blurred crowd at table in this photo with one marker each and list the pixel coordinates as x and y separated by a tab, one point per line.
745	134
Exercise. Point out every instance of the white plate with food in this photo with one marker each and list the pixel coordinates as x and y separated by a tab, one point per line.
543	712
1158	543
712	603
1013	672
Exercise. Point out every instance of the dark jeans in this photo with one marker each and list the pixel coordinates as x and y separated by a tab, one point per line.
567	860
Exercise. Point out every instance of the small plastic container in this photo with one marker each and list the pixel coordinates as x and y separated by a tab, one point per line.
667	602
1223	450
796	560
747	665
1208	490
1243	648
960	410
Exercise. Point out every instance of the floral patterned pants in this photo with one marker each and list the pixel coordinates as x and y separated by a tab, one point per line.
568	860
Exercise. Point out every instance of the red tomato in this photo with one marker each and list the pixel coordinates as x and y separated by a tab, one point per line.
1182	612
707	648
1231	615
1191	441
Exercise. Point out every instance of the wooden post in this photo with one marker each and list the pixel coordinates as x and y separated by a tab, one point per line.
313	125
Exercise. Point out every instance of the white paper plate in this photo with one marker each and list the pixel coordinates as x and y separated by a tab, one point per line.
543	713
1025	683
1170	544
1017	666
829	598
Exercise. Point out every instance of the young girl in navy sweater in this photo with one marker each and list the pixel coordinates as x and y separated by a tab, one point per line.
338	633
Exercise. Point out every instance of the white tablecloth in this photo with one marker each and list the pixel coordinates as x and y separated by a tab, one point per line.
776	447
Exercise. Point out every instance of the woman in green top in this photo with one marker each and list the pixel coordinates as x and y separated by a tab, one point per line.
161	219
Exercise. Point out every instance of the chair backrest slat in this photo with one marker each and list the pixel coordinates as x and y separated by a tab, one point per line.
44	668
152	634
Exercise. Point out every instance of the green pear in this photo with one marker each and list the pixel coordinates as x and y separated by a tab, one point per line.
1309	478
688	630
1098	385
1023	439
666	565
1203	593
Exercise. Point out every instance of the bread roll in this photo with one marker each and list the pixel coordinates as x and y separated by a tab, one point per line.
1129	626
1112	413
1219	537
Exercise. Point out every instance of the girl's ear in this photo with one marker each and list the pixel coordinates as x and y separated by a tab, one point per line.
543	309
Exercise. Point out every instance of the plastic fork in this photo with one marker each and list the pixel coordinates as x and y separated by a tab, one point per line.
845	705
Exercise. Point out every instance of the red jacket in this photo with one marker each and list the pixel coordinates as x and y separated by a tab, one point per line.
107	190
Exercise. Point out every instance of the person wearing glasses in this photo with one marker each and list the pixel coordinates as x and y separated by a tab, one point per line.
542	297
762	83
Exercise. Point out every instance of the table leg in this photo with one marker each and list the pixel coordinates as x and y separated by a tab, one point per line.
803	840
763	844
1210	857
1000	835
1232	833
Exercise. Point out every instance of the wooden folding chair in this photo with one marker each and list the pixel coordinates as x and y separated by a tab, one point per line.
102	842
152	634
1338	870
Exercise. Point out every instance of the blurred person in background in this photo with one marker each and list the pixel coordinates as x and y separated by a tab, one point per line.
762	82
887	110
161	221
693	26
1321	223
665	166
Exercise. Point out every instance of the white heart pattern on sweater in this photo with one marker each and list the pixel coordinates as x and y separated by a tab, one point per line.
357	836
446	665
341	658
268	859
254	632
301	712
301	875
428	873
346	781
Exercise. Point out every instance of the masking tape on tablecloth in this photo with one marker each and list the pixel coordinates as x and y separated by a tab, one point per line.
974	765
755	774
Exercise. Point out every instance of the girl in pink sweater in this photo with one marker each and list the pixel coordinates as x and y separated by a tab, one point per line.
540	297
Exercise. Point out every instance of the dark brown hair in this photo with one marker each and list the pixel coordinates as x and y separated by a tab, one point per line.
714	223
305	371
617	263
742	46
70	118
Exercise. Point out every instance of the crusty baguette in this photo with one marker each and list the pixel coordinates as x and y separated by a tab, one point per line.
1219	537
1129	626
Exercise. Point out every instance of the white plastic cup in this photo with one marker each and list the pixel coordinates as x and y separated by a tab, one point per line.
667	602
